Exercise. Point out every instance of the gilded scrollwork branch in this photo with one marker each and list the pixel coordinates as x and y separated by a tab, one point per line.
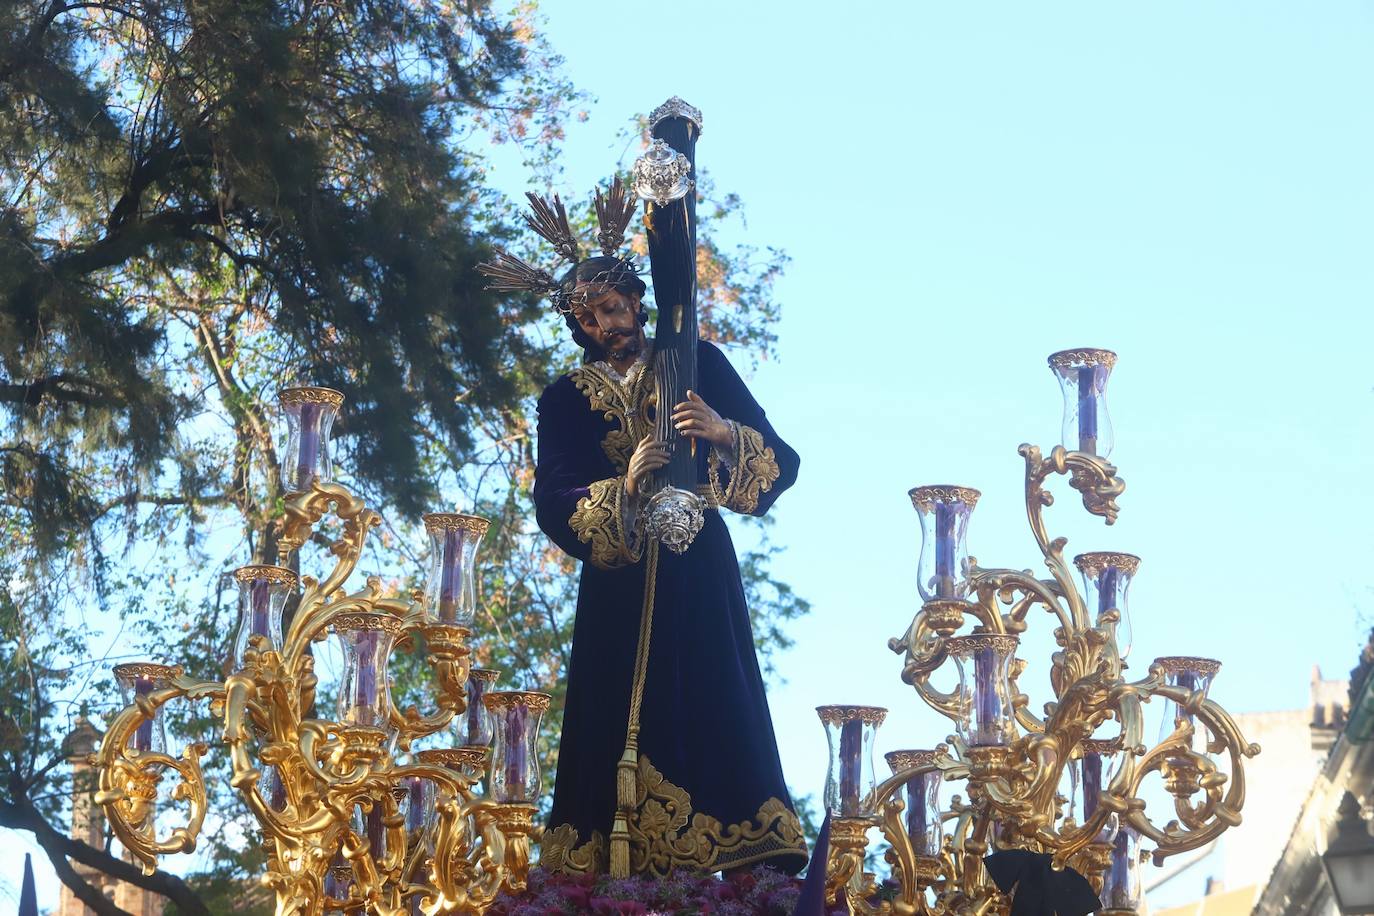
129	779
1016	785
305	779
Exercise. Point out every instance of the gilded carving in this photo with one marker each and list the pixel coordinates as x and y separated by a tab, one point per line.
1084	356
624	401
267	573
469	757
438	522
161	675
1090	564
599	520
967	645
665	834
310	394
925	498
476	849
752	473
368	621
1100	745
559	852
907	760
1173	664
838	715
506	699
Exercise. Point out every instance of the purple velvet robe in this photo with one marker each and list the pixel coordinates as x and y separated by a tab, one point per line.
705	726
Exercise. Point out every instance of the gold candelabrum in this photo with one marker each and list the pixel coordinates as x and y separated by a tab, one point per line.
355	815
1065	784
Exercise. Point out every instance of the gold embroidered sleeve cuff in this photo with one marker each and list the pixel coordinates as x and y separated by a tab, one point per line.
751	473
601	520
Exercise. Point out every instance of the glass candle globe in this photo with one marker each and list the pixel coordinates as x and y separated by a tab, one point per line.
923	824
1083	375
418	806
451	587
515	718
471	762
271	788
987	718
365	695
136	679
1192	673
1106	587
1090	773
944	512
338	883
473	726
849	778
310	413
263	592
371	827
1121	883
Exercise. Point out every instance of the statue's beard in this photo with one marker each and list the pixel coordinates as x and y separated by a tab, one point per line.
624	346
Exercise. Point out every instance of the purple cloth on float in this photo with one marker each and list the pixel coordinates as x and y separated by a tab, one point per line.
812	899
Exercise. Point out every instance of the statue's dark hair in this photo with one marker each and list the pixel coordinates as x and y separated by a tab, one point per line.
614	272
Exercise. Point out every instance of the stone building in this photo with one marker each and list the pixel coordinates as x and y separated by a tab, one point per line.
1297	885
88	826
1228	878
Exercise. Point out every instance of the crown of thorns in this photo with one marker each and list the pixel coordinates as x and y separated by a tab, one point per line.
549	218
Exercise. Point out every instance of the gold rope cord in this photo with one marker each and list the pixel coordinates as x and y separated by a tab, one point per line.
628	769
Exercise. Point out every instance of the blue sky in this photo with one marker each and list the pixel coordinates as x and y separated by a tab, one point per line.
965	188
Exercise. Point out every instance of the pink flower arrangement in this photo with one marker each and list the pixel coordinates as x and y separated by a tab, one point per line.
760	891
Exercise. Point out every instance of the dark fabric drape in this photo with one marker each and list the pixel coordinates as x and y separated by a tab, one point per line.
705	724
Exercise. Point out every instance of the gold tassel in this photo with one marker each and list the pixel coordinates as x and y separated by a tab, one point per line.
626	794
620	848
627	770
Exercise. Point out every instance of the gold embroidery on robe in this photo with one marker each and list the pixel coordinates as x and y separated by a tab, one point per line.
754	470
666	835
599	520
626	403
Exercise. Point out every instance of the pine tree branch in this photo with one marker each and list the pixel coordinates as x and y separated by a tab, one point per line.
131	239
140	499
28	48
62	387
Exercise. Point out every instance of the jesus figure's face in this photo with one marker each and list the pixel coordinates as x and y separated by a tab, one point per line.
611	319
